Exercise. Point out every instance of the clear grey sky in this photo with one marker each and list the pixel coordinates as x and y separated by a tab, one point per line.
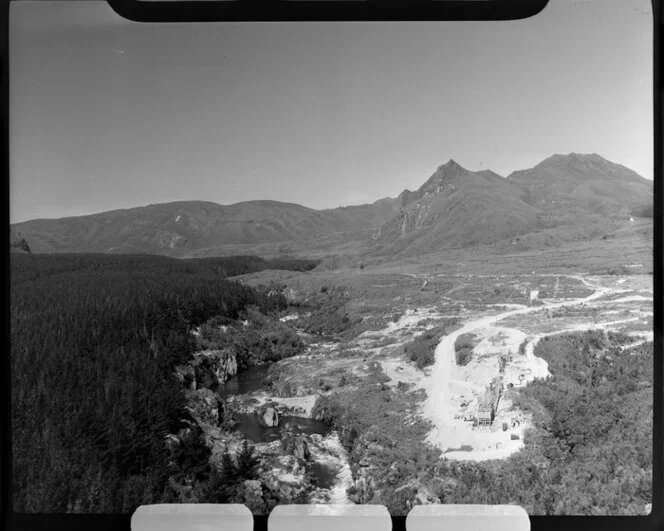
106	113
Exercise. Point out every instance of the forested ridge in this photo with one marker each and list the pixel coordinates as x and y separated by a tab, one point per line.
94	343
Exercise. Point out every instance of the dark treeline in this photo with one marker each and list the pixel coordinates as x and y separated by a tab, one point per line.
94	343
225	266
241	265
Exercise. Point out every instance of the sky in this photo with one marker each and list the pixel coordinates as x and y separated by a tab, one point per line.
106	113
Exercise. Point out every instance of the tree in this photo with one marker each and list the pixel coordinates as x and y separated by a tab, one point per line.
228	468
247	462
222	484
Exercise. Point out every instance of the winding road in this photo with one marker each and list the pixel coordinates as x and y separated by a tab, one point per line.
437	407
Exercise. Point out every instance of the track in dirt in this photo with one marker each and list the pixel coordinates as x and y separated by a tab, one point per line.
447	433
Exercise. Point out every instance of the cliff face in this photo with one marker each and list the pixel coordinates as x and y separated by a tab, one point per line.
208	369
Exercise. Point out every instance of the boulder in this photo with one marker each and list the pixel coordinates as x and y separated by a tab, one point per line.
295	444
285	491
301	449
268	417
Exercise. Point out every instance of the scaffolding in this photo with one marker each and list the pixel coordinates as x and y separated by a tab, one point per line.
488	403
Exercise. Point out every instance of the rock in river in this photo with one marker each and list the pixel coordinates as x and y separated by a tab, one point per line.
268	417
295	443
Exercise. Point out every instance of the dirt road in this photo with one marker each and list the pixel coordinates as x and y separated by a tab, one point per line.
448	432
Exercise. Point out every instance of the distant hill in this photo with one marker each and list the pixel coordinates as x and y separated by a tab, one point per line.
573	194
183	227
575	184
454	208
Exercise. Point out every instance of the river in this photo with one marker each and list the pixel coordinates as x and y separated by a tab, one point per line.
326	467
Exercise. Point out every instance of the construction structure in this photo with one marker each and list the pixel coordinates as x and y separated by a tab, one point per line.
488	403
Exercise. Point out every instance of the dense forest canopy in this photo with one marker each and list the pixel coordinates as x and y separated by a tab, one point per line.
94	342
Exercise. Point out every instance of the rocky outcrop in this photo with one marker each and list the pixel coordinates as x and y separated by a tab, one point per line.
268	417
208	369
287	490
206	407
187	376
168	240
325	409
362	491
295	443
214	367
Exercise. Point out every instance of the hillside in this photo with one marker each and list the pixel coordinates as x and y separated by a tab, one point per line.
575	184
454	208
567	197
186	227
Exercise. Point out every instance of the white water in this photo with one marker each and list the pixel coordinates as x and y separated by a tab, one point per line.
330	451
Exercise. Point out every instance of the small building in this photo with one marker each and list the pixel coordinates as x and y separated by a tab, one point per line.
484	417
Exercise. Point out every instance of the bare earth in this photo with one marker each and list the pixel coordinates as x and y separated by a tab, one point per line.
453	391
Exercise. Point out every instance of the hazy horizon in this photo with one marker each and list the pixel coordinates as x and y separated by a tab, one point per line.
108	114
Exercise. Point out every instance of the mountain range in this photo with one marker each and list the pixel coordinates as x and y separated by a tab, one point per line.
454	208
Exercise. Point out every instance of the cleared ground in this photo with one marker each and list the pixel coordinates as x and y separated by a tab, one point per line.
505	299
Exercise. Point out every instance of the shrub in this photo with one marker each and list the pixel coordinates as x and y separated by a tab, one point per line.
423	348
463	348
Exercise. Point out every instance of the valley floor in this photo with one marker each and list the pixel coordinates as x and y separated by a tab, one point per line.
520	311
436	406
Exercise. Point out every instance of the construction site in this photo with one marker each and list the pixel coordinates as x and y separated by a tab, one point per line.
487	405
